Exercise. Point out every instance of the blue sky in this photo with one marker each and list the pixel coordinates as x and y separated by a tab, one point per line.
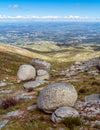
57	9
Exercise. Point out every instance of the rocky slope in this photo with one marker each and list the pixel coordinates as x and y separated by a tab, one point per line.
19	105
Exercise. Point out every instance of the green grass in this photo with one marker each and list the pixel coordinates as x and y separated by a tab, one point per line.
10	62
73	122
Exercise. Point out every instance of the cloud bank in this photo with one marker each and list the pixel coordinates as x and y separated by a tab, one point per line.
59	18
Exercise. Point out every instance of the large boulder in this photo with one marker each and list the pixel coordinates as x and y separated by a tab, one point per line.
56	95
40	64
26	72
63	112
42	74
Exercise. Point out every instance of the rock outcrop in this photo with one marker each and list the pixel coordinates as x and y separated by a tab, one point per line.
39	70
84	66
40	64
90	108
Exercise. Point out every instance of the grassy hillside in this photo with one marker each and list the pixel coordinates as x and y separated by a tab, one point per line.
11	57
66	53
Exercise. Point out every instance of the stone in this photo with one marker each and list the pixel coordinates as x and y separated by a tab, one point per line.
32	107
33	84
95	123
21	95
89	109
3	84
5	91
93	72
3	123
26	72
84	66
40	64
63	112
56	95
92	97
16	113
42	75
41	72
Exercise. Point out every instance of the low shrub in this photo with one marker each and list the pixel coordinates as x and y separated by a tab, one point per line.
95	83
83	90
8	102
72	122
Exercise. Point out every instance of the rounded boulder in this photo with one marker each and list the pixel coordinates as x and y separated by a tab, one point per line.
56	95
26	72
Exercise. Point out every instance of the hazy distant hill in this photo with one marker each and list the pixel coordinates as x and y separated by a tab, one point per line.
22	33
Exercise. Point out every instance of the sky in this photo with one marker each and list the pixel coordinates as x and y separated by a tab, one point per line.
82	10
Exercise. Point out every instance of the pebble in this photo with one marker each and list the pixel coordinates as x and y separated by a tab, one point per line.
3	123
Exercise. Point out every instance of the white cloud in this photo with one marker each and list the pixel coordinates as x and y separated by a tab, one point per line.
65	18
29	17
76	17
14	6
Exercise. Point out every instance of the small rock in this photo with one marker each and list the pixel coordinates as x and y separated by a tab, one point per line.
32	107
7	78
3	123
63	112
4	80
44	77
22	95
93	72
3	84
61	129
94	123
42	74
5	91
16	113
92	97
